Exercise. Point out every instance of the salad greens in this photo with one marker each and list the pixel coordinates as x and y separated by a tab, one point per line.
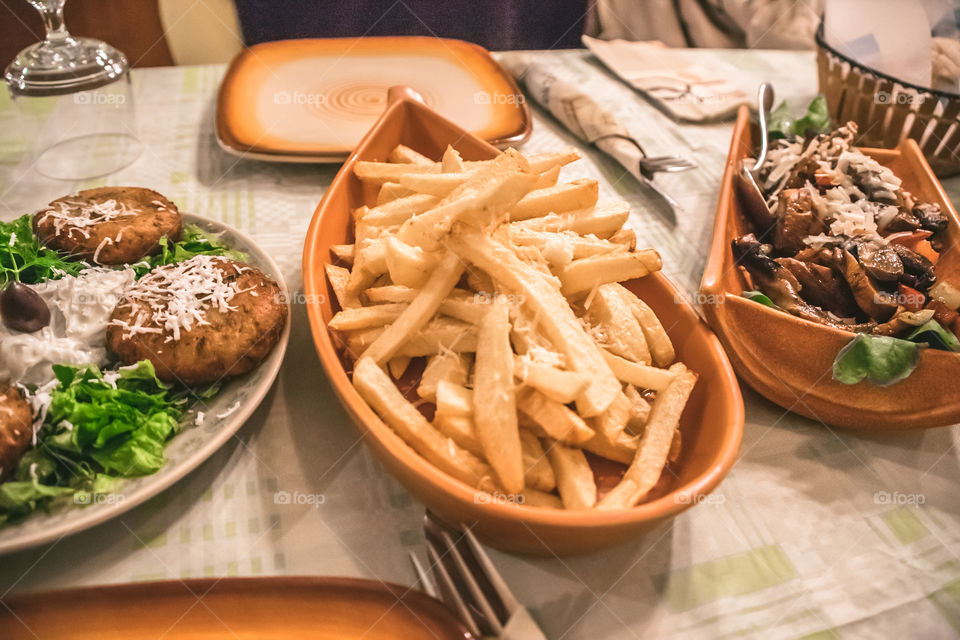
758	296
24	259
100	426
884	360
782	124
880	359
195	242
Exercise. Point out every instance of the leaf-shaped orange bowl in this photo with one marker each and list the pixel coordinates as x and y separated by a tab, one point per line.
790	360
712	422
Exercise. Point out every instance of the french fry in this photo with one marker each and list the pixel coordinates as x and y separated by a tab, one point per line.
622	334
406	155
408	266
546	304
622	449
366	317
602	221
448	365
676	446
577	246
625	237
557	384
551	418
398	366
548	178
538	474
639	375
451	161
460	304
390	191
540	162
381	172
438	185
565	197
583	275
343	253
541	499
614	420
654	446
376	387
575	482
661	349
440	334
639	410
483	197
338	277
454	399
495	408
419	312
461	430
399	210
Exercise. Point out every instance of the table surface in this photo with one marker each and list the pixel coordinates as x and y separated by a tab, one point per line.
816	531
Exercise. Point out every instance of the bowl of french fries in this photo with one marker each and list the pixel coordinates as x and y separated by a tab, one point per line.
504	346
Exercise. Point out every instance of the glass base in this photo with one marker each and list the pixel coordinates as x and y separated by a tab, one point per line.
89	156
64	66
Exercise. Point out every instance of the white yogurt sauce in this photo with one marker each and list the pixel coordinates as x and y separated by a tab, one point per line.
80	307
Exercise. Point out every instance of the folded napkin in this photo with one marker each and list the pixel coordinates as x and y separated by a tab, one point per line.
579	113
688	84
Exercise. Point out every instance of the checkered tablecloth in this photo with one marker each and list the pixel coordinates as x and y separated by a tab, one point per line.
815	533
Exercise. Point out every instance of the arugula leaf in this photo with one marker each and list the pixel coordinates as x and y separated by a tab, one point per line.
195	242
933	333
24	259
882	360
782	125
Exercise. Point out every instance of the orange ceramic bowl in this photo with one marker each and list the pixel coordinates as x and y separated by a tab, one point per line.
711	427
790	360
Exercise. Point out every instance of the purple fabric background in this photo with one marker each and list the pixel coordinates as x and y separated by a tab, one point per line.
494	24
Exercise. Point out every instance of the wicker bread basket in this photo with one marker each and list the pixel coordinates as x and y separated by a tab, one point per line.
888	110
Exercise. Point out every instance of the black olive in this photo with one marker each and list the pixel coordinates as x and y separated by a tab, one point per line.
23	309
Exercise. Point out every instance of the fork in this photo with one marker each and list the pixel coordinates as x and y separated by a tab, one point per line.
470	584
656	164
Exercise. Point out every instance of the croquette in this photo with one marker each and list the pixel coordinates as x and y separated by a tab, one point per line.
16	428
198	321
109	225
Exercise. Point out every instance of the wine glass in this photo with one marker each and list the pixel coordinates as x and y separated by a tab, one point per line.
75	100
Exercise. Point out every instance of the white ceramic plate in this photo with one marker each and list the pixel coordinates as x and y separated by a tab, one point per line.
224	415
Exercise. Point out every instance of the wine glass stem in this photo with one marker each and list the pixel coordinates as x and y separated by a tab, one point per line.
52	13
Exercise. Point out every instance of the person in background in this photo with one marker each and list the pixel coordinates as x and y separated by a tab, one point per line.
757	24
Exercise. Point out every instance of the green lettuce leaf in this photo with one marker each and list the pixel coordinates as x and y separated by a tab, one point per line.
758	296
882	360
195	242
816	120
100	426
